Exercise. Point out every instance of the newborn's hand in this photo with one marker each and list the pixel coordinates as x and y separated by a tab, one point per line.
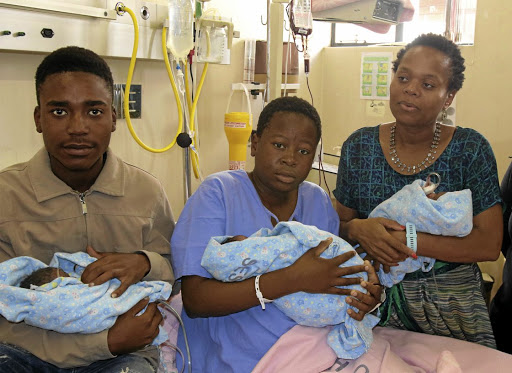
127	268
435	196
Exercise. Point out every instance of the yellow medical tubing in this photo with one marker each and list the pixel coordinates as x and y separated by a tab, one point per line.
129	82
195	159
193	156
187	87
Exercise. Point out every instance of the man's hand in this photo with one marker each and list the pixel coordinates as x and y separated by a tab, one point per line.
127	268
132	333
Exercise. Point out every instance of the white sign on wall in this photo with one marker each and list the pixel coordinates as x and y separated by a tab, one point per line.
375	75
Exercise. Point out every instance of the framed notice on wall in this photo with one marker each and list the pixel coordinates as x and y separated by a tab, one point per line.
375	75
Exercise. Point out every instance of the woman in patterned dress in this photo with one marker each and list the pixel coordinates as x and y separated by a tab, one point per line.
376	162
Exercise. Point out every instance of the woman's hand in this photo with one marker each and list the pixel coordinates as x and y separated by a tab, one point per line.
313	274
376	264
365	302
373	236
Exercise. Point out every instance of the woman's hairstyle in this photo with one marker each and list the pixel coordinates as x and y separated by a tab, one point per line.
39	277
289	104
444	45
73	59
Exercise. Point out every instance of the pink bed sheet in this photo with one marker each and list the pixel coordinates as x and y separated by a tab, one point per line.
171	326
304	349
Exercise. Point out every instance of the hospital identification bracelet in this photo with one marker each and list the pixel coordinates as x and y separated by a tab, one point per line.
258	292
410	236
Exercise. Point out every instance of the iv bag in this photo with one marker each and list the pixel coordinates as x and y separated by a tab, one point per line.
211	44
180	40
302	19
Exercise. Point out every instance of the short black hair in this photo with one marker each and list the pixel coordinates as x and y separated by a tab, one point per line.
290	104
73	59
448	47
39	277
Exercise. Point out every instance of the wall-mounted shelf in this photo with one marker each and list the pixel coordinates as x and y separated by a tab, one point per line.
328	167
61	7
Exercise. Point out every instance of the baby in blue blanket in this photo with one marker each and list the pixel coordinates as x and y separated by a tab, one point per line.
54	298
451	214
226	259
41	277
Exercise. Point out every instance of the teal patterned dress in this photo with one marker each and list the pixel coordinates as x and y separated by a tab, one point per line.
448	300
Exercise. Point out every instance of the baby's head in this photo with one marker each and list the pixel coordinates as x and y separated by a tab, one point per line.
42	276
235	238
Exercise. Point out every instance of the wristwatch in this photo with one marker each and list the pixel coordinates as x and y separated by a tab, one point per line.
382	299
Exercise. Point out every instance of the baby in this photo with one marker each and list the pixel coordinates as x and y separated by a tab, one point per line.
42	276
238	237
53	297
227	259
267	250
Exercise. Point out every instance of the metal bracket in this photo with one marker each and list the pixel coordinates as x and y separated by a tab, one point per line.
135	103
61	7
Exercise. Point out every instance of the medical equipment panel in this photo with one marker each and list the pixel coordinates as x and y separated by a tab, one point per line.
45	25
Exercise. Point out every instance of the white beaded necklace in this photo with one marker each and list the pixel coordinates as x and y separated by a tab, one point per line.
431	155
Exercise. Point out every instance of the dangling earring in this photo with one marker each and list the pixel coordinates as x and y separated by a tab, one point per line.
444	115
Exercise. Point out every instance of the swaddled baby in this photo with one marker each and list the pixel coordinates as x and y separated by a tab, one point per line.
228	259
271	249
451	214
65	304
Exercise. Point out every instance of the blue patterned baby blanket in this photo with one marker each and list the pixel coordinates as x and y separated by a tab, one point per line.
271	249
67	305
449	215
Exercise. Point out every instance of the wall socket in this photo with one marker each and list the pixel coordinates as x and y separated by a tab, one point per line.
135	101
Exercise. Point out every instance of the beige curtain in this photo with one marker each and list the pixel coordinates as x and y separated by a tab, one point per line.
460	14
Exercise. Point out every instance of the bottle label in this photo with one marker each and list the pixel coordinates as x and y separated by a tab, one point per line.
235	124
237	165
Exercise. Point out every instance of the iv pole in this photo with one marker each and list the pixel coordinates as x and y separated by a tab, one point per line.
275	18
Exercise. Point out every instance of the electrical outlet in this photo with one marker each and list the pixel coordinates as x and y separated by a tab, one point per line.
134	104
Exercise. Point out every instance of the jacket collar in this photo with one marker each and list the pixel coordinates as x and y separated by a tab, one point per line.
46	185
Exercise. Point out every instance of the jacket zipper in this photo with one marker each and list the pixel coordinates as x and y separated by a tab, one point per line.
81	196
82	201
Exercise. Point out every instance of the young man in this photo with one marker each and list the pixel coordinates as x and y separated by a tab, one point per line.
76	195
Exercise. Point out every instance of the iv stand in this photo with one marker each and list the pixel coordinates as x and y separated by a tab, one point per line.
275	18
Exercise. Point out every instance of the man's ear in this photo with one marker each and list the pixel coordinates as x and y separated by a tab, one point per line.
114	119
37	119
254	143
